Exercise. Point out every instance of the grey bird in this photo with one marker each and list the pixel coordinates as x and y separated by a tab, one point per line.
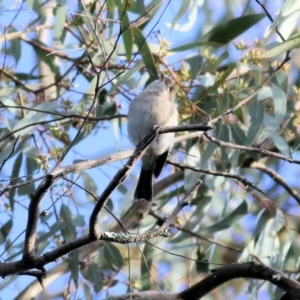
154	106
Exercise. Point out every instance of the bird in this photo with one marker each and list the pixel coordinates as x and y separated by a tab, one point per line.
155	105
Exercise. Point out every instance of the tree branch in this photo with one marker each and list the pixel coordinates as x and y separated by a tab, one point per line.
242	179
241	270
248	148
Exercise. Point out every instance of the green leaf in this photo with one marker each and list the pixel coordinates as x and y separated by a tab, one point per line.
5	230
238	134
127	34
15	46
113	257
31	167
202	262
49	60
147	259
145	52
78	220
220	59
222	133
192	159
106	105
272	122
291	43
191	46
292	255
267	245
44	237
14	174
35	117
208	152
280	143
39	8
199	213
6	150
74	265
181	11
90	185
127	77
110	15
263	217
94	276
140	7
27	76
88	295
16	111
195	63
257	113
30	4
69	231
228	221
60	19
226	32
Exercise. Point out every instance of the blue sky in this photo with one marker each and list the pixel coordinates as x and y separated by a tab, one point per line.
112	140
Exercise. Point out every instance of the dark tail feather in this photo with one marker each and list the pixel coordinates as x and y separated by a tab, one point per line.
144	186
160	162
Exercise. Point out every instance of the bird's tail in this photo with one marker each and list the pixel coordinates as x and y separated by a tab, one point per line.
143	189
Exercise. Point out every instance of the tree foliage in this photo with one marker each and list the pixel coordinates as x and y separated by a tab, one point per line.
227	205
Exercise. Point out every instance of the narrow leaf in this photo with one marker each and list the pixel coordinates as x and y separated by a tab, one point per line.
145	52
195	63
15	173
226	32
146	267
127	35
257	112
291	43
74	265
238	134
90	185
60	14
94	276
191	46
113	257
69	230
230	220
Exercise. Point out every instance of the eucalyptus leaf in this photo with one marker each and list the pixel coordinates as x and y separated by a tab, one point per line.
257	113
113	256
110	15
195	63
290	44
273	121
237	134
145	52
226	32
34	117
229	220
74	265
90	185
146	265
69	231
127	34
190	46
94	276
60	15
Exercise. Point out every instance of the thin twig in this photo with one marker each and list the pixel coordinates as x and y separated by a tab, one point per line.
242	179
252	149
277	178
10	154
184	202
71	116
196	235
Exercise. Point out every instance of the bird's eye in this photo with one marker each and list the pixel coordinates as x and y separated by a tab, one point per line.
171	89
